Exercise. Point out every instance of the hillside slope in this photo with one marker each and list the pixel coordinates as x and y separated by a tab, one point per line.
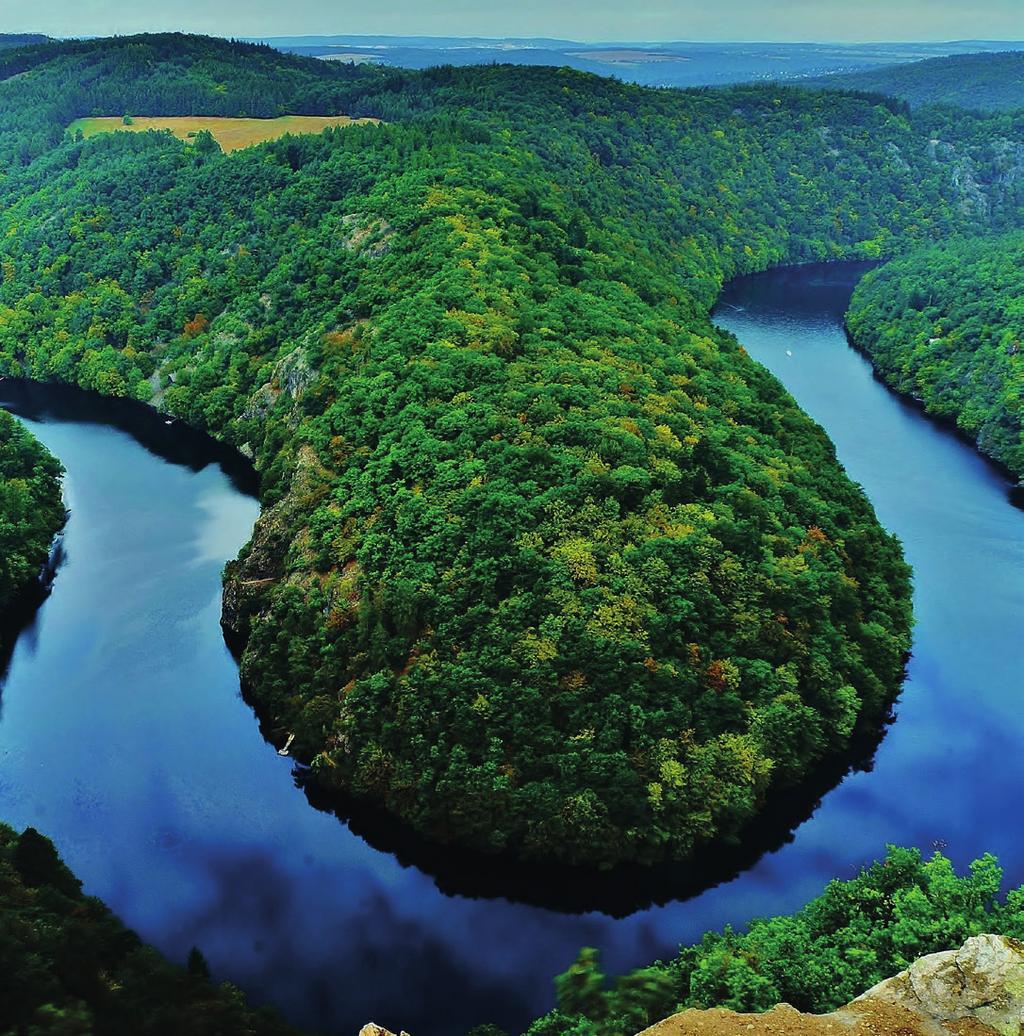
946	325
855	935
547	565
989	82
31	508
46	87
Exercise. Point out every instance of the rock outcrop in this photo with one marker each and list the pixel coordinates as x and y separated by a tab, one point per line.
983	981
977	990
373	1029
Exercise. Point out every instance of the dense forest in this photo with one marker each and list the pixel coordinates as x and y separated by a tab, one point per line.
852	936
68	967
991	82
31	508
547	564
946	325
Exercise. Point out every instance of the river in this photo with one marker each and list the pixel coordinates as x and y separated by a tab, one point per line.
123	735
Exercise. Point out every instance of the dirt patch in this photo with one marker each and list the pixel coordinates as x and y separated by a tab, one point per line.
865	1018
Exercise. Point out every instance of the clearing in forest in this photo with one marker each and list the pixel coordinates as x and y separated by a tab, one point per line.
231	134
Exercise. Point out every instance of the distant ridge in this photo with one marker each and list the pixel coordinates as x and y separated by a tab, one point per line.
986	81
344	39
676	63
22	39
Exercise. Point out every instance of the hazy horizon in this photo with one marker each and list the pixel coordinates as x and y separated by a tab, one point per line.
584	21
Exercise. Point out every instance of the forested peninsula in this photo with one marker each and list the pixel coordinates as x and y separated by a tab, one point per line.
547	565
946	326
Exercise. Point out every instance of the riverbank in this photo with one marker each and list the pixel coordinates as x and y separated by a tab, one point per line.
71	966
942	325
31	514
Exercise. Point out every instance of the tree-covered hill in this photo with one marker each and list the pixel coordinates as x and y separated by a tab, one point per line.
946	325
21	39
991	82
45	87
68	967
547	564
31	508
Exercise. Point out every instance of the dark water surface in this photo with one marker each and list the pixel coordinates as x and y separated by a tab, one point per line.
123	735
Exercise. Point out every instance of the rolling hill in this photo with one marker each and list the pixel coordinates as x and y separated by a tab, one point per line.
984	81
21	39
677	63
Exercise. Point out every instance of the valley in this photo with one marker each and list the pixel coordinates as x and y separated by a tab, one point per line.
483	542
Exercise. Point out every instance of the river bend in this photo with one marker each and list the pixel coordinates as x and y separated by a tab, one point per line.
123	735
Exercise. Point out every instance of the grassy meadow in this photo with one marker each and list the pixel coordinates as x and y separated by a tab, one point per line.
231	134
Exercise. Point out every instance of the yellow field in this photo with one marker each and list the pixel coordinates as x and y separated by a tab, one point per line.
231	134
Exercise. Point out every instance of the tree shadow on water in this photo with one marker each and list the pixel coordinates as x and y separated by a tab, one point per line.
618	892
19	618
163	435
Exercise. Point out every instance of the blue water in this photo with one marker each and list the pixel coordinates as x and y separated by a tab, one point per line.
123	735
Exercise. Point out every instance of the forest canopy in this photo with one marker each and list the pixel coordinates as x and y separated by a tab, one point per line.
547	565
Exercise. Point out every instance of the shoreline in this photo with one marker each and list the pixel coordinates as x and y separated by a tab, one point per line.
1015	483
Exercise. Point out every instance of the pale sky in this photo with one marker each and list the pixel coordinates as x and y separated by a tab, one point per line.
795	20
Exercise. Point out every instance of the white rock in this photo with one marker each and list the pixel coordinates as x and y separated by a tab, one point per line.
983	980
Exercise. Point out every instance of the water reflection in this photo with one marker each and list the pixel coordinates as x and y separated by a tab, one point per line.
618	892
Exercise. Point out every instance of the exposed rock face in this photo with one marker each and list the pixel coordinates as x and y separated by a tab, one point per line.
292	375
977	990
983	980
962	169
278	533
365	235
373	1029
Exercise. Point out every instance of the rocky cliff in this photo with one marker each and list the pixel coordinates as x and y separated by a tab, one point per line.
977	990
